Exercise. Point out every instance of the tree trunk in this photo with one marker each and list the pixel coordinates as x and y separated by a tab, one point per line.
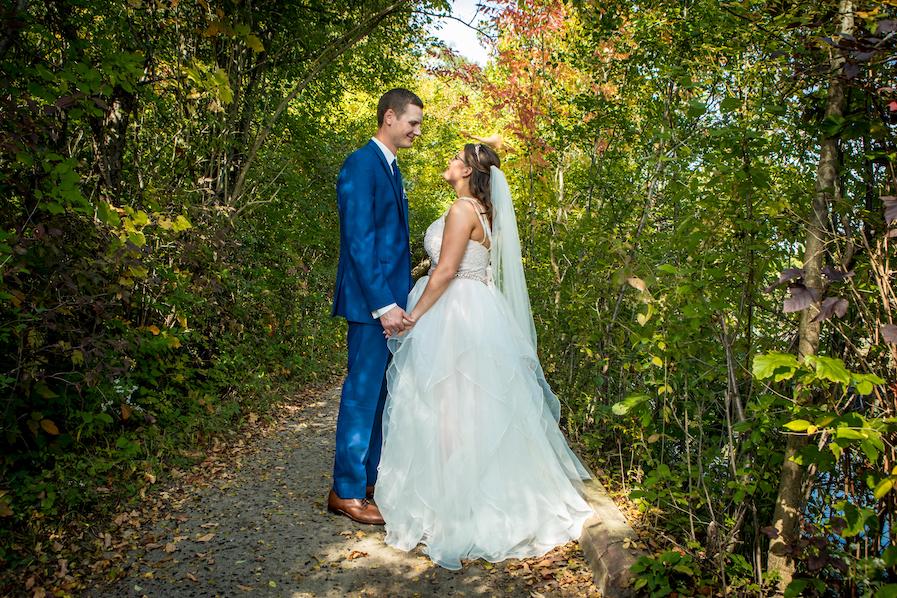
786	517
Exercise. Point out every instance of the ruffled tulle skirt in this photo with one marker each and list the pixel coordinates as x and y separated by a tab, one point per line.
473	462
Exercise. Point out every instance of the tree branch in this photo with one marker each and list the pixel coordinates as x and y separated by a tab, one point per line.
324	59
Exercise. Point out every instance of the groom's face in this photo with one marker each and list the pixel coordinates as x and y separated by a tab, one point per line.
404	129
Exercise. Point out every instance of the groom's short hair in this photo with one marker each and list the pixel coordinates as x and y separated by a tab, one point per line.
397	99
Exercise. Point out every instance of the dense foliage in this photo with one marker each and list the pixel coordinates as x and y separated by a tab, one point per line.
168	232
704	190
680	162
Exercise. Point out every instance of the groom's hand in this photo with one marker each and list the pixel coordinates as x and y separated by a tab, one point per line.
393	321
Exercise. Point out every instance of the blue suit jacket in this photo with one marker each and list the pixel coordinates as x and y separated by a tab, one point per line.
374	257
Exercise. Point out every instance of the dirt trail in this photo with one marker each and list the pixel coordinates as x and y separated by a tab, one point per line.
262	529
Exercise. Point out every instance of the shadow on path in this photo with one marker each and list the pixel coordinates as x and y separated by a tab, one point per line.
272	536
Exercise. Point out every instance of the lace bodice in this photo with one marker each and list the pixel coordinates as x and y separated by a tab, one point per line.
476	260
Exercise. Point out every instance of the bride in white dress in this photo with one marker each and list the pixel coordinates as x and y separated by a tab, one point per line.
473	462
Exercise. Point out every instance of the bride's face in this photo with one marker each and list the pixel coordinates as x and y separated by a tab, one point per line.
456	169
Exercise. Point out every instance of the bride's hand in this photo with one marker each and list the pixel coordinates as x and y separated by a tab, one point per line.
408	322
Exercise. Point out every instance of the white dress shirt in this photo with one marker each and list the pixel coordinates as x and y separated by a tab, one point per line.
390	157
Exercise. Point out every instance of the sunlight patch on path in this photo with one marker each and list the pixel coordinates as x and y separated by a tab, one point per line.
263	529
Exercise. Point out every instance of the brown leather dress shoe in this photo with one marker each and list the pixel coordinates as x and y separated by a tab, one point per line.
356	509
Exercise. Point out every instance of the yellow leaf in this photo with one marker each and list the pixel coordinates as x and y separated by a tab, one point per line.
49	427
77	357
255	43
637	283
141	218
154	329
657	361
181	223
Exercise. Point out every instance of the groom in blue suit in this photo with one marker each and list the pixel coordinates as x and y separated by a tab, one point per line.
372	284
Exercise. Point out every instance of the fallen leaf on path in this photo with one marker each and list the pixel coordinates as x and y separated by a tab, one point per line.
206	537
357	554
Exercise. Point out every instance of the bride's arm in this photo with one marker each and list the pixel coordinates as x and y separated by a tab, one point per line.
459	224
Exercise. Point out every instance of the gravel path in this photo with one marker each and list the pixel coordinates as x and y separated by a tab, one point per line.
261	528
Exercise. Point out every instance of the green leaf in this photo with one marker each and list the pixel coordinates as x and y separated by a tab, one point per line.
140	218
683	569
832	125
883	487
254	43
795	588
890	556
849	433
107	214
829	368
696	108
870	449
865	383
782	365
54	208
222	85
798	425
729	104
856	517
887	591
628	404
137	238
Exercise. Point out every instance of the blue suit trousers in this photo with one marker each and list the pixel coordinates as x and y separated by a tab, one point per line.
359	426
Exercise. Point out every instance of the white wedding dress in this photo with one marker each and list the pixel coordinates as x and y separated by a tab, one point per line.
473	462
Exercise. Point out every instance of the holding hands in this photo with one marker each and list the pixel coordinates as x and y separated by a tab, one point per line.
396	322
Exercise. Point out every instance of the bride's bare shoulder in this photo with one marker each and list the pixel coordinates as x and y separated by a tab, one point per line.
463	209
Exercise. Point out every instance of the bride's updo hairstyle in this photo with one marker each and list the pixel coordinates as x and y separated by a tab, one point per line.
480	157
